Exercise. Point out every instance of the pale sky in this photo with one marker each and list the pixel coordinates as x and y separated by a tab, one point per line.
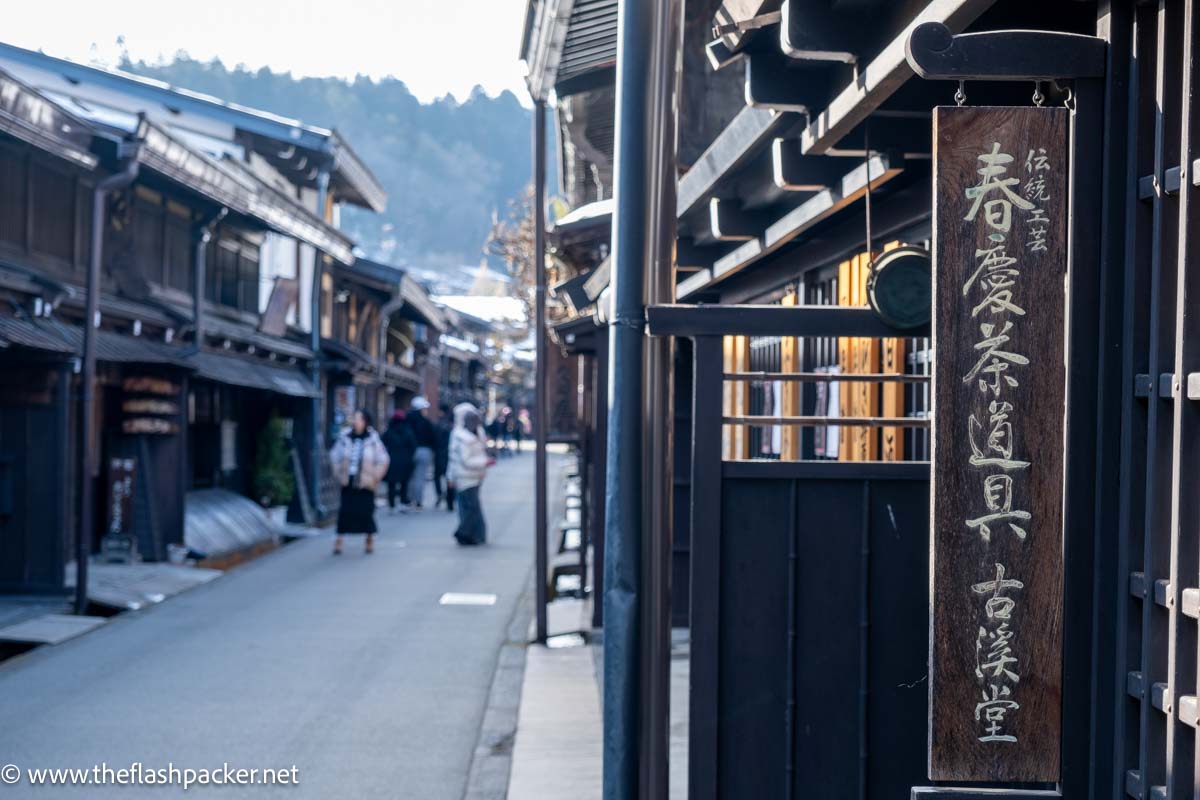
436	47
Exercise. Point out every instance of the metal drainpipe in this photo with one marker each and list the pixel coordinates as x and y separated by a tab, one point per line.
637	637
87	492
541	557
318	449
204	236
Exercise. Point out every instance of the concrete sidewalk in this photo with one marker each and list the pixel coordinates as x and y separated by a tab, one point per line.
558	748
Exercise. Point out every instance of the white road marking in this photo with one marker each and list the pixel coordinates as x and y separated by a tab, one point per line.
467	599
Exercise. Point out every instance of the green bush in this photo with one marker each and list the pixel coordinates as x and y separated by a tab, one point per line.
273	480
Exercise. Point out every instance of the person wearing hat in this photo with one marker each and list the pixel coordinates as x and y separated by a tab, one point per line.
426	438
468	464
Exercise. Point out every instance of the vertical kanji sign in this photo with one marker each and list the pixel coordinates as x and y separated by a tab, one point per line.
1000	260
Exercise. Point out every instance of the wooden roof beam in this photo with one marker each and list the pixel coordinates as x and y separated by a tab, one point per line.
691	255
730	222
879	80
822	205
737	20
796	172
808	32
772	83
732	147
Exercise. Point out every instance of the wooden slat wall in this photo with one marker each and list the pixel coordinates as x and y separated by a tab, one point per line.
865	355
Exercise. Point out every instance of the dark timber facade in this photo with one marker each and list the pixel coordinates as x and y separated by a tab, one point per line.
804	153
226	296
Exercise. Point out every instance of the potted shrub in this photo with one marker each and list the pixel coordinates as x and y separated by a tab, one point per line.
274	483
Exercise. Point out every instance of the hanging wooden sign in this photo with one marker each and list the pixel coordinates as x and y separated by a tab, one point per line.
1000	258
562	394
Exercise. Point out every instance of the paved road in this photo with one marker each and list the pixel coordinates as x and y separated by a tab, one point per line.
347	668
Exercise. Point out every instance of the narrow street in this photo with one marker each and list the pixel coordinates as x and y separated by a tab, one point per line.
347	667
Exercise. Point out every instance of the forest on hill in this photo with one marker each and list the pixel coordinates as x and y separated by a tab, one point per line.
448	167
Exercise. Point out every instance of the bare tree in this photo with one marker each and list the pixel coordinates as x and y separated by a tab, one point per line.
512	240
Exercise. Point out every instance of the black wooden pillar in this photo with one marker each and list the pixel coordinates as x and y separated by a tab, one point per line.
540	410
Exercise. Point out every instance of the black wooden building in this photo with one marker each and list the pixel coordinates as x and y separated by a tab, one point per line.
803	148
181	395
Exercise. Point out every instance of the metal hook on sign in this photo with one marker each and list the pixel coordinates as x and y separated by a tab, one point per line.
960	96
1038	97
1070	101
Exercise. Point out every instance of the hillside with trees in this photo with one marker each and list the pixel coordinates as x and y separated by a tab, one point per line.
447	166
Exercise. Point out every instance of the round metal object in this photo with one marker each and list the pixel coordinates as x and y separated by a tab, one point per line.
900	287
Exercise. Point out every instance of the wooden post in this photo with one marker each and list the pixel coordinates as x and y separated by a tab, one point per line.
892	439
845	286
790	406
866	440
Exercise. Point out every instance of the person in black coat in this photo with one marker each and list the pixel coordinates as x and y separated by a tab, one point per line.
401	446
441	457
426	439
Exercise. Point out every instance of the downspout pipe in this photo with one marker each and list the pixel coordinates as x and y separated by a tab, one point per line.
200	277
87	491
541	406
623	495
317	451
637	503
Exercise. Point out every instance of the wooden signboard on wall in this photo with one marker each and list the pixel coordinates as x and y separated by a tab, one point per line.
1000	256
562	394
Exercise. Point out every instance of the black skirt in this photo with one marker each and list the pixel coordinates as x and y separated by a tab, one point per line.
357	512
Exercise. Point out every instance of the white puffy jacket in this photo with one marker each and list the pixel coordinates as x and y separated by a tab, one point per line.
468	460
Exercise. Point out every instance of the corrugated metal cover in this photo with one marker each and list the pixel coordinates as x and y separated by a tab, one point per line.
218	522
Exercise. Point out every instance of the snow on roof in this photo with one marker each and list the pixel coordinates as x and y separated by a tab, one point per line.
502	310
588	212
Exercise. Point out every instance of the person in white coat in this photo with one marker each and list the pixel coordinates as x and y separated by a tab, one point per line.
467	467
359	462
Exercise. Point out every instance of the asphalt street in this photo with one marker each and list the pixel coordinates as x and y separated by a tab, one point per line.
346	667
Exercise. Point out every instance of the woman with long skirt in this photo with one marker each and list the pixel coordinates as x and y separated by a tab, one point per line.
360	462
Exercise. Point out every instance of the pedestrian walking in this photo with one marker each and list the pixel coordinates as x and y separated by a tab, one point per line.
401	447
360	462
507	425
441	457
426	439
522	427
467	469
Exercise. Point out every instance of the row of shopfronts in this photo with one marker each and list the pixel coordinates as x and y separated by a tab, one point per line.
795	506
227	298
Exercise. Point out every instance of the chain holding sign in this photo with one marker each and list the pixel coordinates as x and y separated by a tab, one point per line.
1000	256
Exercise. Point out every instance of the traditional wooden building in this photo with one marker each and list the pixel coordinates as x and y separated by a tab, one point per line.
189	369
306	165
813	209
463	361
214	245
382	328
